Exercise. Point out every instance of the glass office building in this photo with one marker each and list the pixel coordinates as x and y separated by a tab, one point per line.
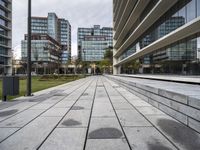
5	37
92	42
45	53
58	28
162	36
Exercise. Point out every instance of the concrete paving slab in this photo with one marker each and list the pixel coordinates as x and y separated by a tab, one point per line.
149	110
137	103
131	118
117	99
31	136
101	99
107	144
21	119
55	112
102	112
105	128
194	124
147	138
182	136
5	132
83	104
122	106
64	104
23	106
75	119
65	139
53	99
8	112
41	106
194	101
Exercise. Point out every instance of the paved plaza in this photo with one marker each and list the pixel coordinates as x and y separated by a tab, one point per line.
171	78
94	113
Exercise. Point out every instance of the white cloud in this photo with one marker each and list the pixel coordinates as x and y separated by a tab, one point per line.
80	13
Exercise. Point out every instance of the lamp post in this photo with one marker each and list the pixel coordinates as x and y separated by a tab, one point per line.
29	66
84	62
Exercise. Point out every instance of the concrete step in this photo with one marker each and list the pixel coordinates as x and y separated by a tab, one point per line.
182	107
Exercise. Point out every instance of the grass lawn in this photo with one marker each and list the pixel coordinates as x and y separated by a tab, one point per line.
41	83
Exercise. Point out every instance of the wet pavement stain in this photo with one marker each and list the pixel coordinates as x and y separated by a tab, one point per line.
105	133
8	113
180	133
85	94
77	108
35	100
61	94
157	145
71	122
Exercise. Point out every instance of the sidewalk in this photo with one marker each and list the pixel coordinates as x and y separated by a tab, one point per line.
92	114
171	78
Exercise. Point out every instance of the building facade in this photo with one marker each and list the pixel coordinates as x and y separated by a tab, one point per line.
45	53
58	28
92	42
5	37
162	36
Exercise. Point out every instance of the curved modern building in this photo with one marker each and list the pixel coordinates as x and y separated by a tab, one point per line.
5	37
156	36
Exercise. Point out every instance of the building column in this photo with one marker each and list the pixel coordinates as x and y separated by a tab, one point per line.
116	70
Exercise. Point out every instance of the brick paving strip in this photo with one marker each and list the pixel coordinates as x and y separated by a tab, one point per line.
91	114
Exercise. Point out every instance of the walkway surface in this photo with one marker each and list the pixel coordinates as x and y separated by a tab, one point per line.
93	114
173	78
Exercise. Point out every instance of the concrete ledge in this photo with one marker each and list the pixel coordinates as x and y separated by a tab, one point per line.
184	108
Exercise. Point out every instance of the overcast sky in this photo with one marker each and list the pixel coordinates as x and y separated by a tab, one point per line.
80	13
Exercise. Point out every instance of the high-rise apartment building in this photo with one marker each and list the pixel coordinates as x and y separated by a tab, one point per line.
58	28
92	42
163	36
5	37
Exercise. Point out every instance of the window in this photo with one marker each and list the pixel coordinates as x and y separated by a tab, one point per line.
2	22
198	47
191	11
198	7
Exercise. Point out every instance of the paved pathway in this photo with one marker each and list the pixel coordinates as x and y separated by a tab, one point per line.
171	78
91	114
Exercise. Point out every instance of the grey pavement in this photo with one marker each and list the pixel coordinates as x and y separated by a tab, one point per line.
94	113
173	78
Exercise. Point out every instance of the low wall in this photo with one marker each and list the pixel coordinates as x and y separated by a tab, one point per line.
181	107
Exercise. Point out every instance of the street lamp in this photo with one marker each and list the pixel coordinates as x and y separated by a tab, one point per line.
29	66
84	62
